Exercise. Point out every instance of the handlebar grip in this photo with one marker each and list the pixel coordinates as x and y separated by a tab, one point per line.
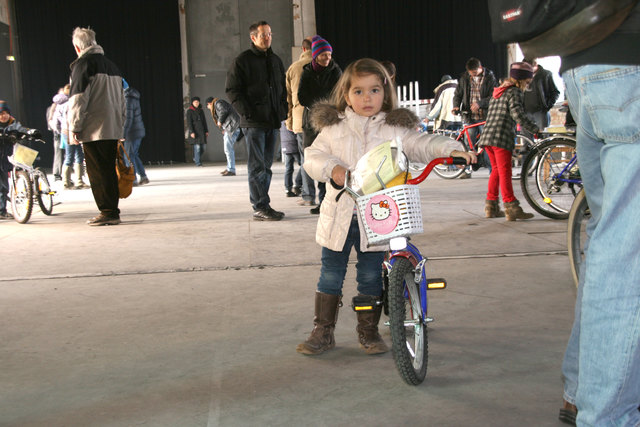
458	161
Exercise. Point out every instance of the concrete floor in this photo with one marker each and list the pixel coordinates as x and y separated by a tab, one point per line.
189	312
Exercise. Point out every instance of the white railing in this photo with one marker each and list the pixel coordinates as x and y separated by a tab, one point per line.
413	101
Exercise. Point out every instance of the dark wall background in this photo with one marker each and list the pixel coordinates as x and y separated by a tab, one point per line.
423	38
142	37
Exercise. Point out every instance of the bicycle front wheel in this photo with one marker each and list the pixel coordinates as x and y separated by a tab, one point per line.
576	234
408	330
44	195
22	197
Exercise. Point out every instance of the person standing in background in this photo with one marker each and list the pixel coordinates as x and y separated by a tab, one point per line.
541	95
134	132
197	129
294	117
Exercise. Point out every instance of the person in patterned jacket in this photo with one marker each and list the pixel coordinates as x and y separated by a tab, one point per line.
506	107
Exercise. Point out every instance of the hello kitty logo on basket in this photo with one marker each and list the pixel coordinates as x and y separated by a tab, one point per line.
382	214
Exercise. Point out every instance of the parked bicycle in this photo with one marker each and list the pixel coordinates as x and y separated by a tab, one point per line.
27	183
392	215
550	177
523	145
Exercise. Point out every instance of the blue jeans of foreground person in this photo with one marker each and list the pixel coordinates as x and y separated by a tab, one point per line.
133	148
261	144
604	348
334	267
229	141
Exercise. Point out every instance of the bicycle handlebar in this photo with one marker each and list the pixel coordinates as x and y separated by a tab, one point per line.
434	163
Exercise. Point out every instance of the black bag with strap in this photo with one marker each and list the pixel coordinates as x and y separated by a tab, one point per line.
556	27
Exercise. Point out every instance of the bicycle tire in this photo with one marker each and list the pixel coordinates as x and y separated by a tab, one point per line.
22	197
541	191
43	191
408	331
576	234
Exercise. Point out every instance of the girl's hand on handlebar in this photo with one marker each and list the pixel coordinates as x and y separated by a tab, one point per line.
338	174
467	155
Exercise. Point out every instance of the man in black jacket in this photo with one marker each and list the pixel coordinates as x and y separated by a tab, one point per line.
541	94
256	88
472	96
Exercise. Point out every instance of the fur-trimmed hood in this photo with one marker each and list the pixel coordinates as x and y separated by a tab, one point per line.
325	114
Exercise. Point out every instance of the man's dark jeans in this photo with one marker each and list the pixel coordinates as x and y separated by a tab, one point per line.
100	157
261	145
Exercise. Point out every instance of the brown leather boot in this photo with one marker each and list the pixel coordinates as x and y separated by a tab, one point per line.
370	339
514	211
321	338
492	209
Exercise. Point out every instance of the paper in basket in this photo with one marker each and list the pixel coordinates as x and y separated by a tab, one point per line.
382	163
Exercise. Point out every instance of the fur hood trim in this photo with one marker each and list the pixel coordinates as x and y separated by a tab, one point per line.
324	114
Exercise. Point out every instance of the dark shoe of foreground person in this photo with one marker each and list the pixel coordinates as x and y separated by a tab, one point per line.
370	339
492	209
568	413
324	323
103	220
266	215
514	211
315	211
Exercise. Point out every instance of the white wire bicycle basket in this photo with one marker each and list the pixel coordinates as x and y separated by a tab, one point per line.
391	212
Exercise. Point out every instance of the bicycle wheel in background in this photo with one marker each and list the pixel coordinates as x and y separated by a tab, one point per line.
576	233
544	178
558	176
44	195
22	197
408	332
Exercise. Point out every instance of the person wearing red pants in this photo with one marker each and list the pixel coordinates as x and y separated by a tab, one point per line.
506	107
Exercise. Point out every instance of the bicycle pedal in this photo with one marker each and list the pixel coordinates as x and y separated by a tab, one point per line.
365	303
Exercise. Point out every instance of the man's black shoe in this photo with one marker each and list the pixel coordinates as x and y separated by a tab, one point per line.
275	212
265	216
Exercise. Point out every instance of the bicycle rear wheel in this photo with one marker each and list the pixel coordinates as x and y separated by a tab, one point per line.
22	197
576	234
544	179
44	195
408	331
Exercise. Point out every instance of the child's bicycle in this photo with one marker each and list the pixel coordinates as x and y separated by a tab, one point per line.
27	183
391	215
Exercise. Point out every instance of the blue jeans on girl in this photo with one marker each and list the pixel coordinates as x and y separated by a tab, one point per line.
334	267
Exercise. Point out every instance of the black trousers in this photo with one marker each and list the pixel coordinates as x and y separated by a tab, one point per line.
100	158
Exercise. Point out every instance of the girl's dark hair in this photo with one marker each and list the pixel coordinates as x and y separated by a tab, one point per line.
363	67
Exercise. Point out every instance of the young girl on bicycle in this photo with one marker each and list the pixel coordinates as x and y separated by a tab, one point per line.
361	116
506	107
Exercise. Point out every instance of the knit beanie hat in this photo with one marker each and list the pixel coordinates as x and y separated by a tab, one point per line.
521	71
195	98
4	107
319	45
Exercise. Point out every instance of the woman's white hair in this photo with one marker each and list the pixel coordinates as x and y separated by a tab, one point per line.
83	37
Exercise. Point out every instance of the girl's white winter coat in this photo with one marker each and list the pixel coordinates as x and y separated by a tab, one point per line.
343	139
